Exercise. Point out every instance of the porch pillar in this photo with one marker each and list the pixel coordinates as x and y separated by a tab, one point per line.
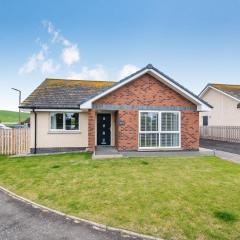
91	129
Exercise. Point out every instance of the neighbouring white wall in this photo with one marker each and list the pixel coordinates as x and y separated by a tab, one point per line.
224	112
48	139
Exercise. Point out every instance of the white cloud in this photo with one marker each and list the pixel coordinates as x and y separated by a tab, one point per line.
70	55
38	61
97	73
70	52
127	70
49	67
34	61
56	34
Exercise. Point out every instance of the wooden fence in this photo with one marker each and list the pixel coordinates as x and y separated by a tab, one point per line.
14	141
221	133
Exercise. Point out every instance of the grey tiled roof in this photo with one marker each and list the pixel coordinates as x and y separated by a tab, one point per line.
69	94
230	89
63	94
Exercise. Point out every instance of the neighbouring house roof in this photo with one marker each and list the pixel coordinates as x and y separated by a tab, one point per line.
63	93
231	90
76	94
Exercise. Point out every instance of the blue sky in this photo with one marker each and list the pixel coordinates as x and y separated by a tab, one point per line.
194	42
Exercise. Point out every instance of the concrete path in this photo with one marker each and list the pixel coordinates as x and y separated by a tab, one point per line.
225	150
228	156
21	221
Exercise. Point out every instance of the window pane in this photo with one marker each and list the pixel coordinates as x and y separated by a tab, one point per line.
149	121
57	121
169	139
71	121
149	140
170	121
143	121
205	120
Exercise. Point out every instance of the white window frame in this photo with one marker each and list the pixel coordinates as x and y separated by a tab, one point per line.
64	123
159	130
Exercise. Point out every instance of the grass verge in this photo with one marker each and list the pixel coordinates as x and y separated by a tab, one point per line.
173	198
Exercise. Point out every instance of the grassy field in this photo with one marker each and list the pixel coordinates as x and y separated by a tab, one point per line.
10	116
173	198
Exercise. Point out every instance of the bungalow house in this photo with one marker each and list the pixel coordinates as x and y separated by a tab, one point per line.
225	99
145	111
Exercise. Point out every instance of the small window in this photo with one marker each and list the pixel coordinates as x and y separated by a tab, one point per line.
205	120
65	121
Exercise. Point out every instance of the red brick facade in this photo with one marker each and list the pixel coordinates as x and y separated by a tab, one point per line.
127	133
145	91
190	130
91	129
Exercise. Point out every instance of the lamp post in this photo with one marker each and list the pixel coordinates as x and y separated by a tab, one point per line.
19	99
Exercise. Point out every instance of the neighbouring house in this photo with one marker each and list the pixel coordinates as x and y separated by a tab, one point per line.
225	99
145	111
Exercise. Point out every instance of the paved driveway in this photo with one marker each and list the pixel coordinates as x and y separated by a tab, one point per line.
19	220
219	145
224	150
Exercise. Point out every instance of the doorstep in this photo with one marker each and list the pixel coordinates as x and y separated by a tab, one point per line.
103	152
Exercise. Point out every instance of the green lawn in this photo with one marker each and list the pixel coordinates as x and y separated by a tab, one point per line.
173	198
10	116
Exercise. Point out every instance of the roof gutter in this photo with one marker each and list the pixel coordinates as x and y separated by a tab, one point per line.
47	107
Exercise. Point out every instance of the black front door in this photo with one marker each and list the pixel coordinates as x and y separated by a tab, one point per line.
103	129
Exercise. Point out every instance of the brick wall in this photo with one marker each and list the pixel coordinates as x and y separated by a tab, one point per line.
127	130
190	130
146	90
116	128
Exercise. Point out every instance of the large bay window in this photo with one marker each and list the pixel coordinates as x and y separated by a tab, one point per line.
65	121
159	129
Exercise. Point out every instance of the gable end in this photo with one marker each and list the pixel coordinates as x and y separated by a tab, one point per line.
149	69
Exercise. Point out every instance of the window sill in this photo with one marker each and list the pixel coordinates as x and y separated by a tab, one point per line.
159	149
64	132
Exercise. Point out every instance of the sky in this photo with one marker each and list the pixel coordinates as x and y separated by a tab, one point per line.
194	42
